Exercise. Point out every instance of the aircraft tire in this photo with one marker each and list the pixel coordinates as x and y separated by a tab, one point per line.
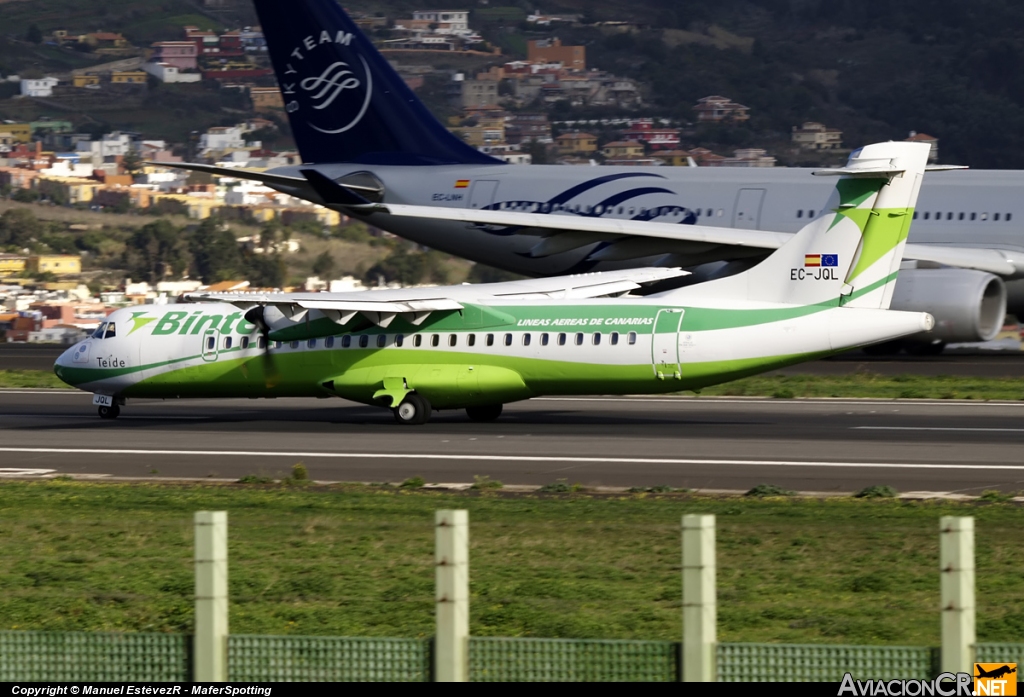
413	411
109	412
488	412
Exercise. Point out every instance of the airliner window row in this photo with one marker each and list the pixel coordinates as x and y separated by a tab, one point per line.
535	207
938	215
228	342
452	340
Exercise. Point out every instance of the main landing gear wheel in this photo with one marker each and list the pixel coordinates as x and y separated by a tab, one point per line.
413	411
109	412
489	412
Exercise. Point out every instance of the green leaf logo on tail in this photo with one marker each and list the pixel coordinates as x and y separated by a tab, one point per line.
139	320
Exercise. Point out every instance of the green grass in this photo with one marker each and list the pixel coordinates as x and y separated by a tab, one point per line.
873	385
30	378
854	385
358	560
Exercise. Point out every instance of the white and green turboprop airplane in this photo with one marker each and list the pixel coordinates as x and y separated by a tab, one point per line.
478	347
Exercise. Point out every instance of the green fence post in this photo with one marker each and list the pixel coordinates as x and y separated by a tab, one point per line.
957	564
210	644
699	610
451	559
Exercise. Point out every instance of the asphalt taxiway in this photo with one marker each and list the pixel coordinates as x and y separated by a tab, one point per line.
697	443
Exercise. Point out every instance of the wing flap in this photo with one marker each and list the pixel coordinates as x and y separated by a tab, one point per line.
997	261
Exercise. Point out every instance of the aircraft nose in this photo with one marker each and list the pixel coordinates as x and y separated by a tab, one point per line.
65	360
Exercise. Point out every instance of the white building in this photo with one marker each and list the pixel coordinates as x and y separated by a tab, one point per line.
42	87
165	72
448	21
110	145
222	138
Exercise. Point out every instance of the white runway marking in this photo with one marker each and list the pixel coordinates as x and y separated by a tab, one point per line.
937	428
510	458
773	401
96	418
23	472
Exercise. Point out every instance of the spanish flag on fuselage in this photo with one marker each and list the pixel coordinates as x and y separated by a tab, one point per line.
462	184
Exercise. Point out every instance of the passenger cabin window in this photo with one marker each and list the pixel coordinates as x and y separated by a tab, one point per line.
926	214
1009	217
995	217
471	340
561	339
614	339
278	344
949	216
364	341
294	344
526	339
508	339
435	340
579	339
544	339
399	340
244	343
490	339
211	342
382	340
311	343
111	331
346	341
453	339
961	216
597	338
418	341
261	343
227	342
632	338
329	342
800	213
974	216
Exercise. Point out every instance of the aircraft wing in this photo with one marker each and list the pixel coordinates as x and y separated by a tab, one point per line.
563	232
383	305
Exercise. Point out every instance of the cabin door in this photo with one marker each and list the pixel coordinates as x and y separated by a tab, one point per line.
211	345
748	209
665	345
482	194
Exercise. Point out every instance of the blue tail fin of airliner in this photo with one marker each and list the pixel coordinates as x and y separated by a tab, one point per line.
344	102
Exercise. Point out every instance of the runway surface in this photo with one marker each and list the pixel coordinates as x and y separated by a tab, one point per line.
812	445
989	364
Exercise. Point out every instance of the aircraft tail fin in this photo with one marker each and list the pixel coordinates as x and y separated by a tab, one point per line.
344	102
851	253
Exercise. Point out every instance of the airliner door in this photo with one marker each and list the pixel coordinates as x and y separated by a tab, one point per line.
483	192
210	345
748	209
665	345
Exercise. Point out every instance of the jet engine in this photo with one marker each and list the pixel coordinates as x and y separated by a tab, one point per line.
967	305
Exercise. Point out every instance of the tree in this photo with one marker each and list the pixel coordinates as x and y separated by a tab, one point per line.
18	227
324	265
215	255
132	161
155	251
34	34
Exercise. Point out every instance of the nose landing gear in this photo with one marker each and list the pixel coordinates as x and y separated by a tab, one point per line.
111	412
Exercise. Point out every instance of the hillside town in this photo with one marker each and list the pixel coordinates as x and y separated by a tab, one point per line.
507	109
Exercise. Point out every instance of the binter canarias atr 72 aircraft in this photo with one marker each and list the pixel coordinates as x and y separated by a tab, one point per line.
360	128
477	347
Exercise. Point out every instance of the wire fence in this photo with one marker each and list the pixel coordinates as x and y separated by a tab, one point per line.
100	657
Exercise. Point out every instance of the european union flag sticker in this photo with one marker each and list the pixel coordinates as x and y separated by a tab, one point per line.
830	260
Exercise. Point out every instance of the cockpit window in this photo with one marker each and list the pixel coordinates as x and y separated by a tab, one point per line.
111	331
98	334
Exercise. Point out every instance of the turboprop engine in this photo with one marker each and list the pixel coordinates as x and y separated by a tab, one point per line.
967	305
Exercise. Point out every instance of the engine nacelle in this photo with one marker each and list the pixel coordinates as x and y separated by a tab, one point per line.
967	305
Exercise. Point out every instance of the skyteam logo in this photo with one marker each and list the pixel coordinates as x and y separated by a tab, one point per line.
331	97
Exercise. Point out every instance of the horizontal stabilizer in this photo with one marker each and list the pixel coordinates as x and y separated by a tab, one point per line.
239	173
